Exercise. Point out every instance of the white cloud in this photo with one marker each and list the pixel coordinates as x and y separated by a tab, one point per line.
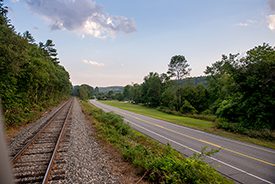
242	24
271	22
84	17
94	63
271	16
246	23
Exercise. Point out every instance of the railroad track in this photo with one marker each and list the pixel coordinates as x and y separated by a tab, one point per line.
41	159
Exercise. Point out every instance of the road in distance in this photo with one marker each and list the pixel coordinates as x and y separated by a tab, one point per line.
242	162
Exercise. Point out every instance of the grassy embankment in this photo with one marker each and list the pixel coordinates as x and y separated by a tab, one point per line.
33	115
203	125
157	163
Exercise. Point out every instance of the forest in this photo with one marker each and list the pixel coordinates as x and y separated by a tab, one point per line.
32	79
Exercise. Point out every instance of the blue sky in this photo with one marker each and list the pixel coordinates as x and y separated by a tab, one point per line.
117	42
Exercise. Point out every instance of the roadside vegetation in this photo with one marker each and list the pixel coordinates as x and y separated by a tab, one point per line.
154	113
31	78
209	125
237	93
156	162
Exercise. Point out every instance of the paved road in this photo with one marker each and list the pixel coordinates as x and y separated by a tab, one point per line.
245	163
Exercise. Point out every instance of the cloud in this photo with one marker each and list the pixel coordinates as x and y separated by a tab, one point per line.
271	17
246	23
84	17
94	63
242	24
271	22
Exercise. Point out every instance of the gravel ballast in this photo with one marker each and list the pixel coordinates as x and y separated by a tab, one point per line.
86	162
87	159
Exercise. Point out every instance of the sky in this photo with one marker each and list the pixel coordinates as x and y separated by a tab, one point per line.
118	42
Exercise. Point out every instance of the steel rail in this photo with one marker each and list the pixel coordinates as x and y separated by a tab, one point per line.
22	150
48	171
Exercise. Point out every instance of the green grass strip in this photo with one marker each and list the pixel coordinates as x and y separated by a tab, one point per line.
181	120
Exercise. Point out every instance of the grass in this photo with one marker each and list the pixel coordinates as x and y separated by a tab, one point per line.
156	162
34	114
207	126
180	120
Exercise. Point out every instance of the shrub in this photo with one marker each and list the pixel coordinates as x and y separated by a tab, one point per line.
238	128
187	108
203	117
168	111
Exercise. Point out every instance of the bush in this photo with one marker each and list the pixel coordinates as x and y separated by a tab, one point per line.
203	117
187	108
238	128
168	111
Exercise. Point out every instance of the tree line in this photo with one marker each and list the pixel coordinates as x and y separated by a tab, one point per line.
31	77
239	90
83	91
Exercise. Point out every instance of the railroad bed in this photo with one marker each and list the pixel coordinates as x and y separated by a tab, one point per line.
41	158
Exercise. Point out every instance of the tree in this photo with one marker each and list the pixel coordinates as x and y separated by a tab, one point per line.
178	68
75	91
168	97
49	49
27	35
136	93
29	80
197	96
85	92
187	108
151	89
126	92
221	84
110	95
119	96
255	80
244	88
3	13
96	91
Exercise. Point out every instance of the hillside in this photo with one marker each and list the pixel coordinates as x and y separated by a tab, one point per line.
194	81
115	89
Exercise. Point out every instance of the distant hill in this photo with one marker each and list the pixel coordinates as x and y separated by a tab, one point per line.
188	81
194	81
116	89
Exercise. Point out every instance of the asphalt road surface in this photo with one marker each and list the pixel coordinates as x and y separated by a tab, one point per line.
242	162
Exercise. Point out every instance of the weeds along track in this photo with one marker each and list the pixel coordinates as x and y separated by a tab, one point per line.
41	159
